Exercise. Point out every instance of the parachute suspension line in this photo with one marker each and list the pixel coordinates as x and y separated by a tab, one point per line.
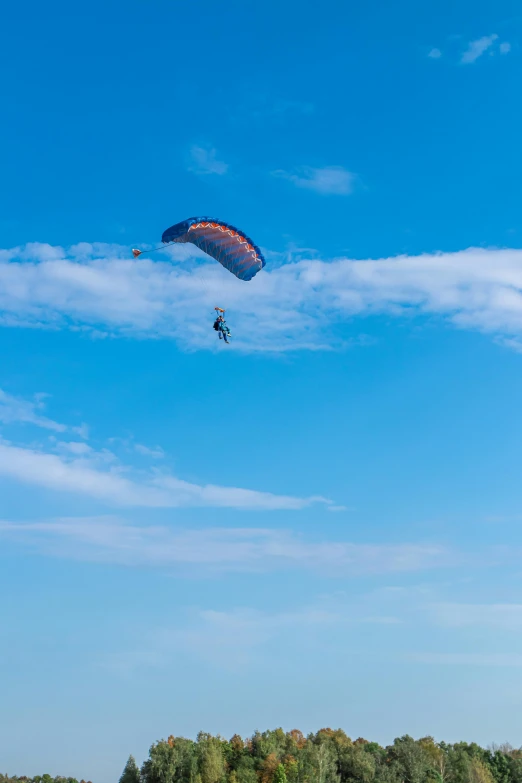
136	252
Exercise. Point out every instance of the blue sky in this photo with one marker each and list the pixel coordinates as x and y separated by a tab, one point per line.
318	525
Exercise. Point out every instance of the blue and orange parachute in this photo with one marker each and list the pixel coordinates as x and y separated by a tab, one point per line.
227	244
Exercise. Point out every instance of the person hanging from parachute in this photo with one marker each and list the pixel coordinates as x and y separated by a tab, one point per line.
220	325
223	242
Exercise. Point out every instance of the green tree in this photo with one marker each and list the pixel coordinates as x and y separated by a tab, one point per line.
291	766
280	775
246	773
479	772
174	761
498	763
234	751
210	758
270	742
356	764
515	766
131	773
412	759
318	763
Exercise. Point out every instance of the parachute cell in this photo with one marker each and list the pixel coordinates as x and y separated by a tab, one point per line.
227	244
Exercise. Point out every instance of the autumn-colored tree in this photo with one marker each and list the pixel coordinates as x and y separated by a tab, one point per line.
234	750
268	768
297	737
237	744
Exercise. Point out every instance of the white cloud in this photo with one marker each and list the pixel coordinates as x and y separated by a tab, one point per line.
53	472
94	479
292	306
227	497
155	453
204	161
109	539
477	48
16	409
78	448
435	54
330	180
82	431
505	47
82	453
76	467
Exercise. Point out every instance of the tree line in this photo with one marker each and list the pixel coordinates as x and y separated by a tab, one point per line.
329	756
38	779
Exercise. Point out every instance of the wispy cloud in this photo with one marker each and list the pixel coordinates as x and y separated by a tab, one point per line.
77	448
97	287
435	53
16	409
55	472
91	477
330	180
109	539
477	48
505	47
155	453
76	467
204	160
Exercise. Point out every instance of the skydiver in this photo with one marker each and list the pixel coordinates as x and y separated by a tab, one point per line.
222	329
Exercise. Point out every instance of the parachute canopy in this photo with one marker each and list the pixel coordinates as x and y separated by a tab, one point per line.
228	245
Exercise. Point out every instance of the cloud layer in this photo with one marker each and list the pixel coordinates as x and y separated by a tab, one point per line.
109	539
74	466
287	307
87	475
16	409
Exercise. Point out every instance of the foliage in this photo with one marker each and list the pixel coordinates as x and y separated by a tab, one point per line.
131	772
328	756
38	779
